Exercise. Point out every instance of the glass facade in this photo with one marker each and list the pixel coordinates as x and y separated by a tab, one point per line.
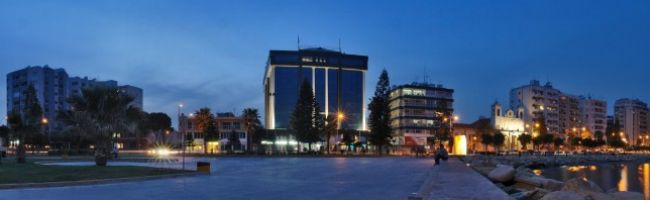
287	86
337	80
352	99
320	88
286	94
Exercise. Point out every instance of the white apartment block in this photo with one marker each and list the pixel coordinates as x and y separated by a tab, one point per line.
632	114
563	113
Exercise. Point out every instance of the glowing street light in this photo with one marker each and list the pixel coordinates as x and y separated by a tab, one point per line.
182	133
339	116
44	120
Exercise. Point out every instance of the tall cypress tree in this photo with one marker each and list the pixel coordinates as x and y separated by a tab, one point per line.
379	118
319	125
302	118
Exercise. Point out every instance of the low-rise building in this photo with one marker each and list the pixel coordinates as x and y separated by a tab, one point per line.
227	125
511	124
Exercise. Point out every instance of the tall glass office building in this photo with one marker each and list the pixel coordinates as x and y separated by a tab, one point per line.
338	81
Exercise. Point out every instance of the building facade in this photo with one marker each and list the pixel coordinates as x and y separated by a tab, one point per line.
338	81
53	88
227	124
77	84
632	114
593	116
538	101
417	110
563	113
569	114
510	123
136	93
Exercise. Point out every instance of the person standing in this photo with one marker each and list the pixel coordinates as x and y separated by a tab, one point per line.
441	153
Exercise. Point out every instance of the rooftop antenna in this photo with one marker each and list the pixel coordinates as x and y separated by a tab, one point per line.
298	42
340	46
425	75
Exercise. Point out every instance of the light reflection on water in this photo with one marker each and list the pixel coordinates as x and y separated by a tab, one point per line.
628	176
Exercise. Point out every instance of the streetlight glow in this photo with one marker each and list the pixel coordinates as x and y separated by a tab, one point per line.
44	120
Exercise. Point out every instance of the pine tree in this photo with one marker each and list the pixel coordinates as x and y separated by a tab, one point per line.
319	125
379	118
303	116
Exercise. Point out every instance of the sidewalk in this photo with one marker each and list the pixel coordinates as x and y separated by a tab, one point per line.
454	180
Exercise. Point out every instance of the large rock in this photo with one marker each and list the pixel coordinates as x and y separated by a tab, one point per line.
524	195
562	195
586	189
579	185
627	195
541	182
502	173
524	172
552	184
539	193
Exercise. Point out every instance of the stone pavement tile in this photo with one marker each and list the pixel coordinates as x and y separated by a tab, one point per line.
262	178
455	180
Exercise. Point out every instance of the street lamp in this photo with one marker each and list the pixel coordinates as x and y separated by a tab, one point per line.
182	130
44	122
339	117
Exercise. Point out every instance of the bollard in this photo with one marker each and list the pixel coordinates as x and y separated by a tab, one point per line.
203	167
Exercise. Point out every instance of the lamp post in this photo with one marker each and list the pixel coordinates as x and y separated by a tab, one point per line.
44	122
182	130
339	117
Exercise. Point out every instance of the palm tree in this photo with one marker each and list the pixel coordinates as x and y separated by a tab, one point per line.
547	139
4	136
486	139
204	118
107	107
524	140
253	125
557	142
79	126
498	139
26	122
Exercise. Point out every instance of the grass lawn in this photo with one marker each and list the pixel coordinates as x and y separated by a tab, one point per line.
12	172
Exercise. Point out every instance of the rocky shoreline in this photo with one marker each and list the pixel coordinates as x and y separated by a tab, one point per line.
514	175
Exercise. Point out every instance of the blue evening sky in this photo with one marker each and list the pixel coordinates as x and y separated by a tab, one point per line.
212	53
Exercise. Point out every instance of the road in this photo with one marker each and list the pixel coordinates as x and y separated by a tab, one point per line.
263	178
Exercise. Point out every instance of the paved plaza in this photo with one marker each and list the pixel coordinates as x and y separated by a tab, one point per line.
263	178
